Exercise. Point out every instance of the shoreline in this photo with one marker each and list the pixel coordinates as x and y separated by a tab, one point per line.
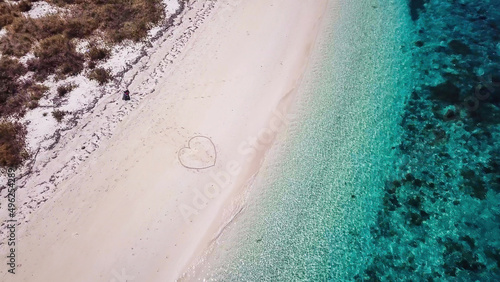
313	199
238	201
122	210
276	122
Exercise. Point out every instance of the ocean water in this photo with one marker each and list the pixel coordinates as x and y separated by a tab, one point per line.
440	218
390	167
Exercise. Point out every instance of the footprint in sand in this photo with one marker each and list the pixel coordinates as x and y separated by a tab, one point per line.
200	153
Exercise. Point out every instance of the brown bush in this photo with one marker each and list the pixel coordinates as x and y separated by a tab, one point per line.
49	26
118	19
62	3
65	89
19	38
80	27
16	44
23	32
23	25
132	30
7	14
57	55
33	104
6	20
12	144
11	68
10	71
97	54
122	20
91	65
24	6
58	115
101	75
16	105
27	95
37	91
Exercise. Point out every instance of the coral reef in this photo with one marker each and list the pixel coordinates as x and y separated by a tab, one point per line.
441	218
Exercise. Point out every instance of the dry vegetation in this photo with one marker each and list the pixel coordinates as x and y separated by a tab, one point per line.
65	89
117	19
12	151
97	54
58	115
101	75
56	55
51	40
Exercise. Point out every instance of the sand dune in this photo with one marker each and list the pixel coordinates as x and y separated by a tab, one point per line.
148	202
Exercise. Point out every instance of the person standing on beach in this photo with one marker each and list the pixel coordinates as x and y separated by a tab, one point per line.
126	95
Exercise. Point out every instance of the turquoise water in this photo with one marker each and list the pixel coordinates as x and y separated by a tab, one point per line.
440	218
390	169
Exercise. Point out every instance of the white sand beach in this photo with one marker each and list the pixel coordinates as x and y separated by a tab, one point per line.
150	199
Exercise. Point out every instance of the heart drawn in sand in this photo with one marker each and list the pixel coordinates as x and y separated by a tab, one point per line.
200	153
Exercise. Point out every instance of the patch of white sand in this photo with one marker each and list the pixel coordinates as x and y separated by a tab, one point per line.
171	6
41	9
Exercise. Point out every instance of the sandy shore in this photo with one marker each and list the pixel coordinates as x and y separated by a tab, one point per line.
150	200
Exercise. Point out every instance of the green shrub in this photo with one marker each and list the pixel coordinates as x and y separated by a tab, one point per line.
12	144
101	75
